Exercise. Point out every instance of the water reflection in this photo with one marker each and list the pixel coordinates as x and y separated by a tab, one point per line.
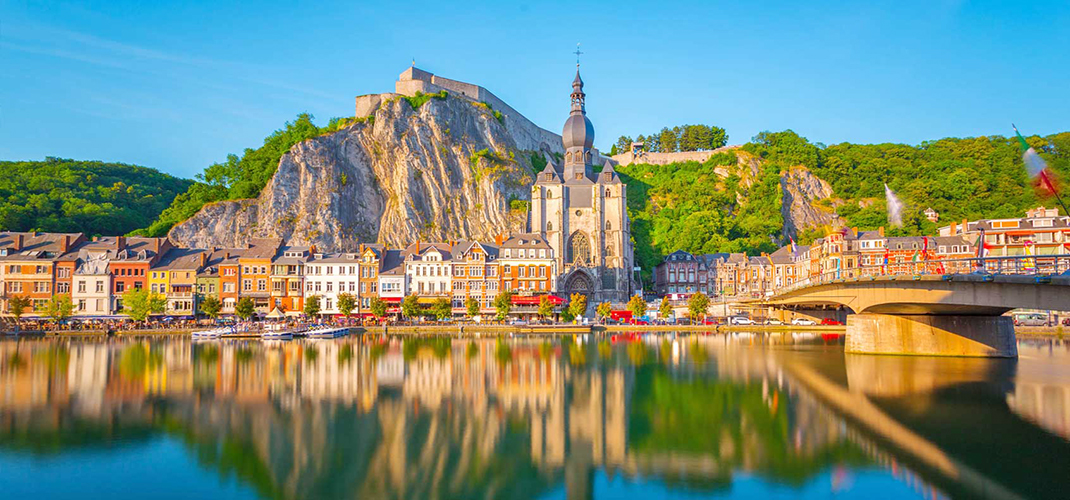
493	418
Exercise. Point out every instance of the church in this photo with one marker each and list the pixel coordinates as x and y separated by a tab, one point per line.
583	214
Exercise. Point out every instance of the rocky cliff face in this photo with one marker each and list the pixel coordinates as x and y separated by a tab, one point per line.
801	191
446	170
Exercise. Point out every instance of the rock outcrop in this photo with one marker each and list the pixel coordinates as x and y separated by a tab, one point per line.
446	170
802	191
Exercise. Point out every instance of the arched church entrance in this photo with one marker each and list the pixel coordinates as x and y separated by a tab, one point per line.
579	282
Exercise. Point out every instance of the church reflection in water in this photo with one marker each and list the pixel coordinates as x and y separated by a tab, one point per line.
435	418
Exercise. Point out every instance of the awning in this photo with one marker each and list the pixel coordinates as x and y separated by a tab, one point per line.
529	300
391	300
429	300
275	314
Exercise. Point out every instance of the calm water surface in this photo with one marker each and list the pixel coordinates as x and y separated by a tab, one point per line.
663	416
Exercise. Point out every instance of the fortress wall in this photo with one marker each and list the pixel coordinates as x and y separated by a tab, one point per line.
527	134
667	158
367	104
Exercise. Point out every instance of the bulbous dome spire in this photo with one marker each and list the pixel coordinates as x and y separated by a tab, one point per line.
578	131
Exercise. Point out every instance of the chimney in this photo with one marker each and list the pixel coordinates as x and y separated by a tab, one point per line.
964	226
854	232
120	243
156	245
954	229
226	255
203	259
17	244
880	231
417	246
362	249
498	239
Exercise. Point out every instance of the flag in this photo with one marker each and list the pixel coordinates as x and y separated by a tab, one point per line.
916	257
1037	169
794	249
980	244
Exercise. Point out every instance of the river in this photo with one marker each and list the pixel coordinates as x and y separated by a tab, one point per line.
779	415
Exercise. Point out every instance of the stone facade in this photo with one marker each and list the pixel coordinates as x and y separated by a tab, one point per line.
584	215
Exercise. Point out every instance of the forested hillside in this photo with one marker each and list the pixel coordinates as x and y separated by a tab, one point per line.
82	196
689	206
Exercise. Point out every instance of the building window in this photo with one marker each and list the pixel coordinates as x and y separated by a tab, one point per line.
579	248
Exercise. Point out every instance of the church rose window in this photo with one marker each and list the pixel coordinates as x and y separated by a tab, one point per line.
579	248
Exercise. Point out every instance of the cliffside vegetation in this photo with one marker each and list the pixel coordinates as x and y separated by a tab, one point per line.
689	206
679	138
979	177
93	197
241	177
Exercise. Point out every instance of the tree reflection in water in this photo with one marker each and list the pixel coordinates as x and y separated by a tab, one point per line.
435	418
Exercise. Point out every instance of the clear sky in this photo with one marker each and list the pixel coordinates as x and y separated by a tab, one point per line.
178	85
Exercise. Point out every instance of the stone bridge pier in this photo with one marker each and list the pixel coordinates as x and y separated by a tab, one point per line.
953	315
931	335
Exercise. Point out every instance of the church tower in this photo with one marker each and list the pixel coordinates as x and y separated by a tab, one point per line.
583	214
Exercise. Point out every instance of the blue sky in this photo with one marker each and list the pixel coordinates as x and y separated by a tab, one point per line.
178	85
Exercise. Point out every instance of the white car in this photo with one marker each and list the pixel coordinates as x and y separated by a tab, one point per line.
773	321
743	321
803	322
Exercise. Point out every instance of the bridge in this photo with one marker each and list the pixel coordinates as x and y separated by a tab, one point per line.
946	307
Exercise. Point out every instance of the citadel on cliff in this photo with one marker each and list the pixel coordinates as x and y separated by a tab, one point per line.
582	214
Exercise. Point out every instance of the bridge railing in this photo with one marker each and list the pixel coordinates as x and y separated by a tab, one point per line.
1010	265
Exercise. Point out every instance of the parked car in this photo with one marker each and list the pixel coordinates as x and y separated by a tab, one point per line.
773	321
1031	319
1066	321
803	322
831	322
739	320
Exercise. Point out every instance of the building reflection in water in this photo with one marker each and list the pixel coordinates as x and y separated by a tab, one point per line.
430	417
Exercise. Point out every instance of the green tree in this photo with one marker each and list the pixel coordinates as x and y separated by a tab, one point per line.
471	307
17	306
59	307
346	304
697	306
410	306
312	306
546	307
139	304
211	306
604	310
567	316
665	310
442	309
578	305
503	303
245	309
637	306
623	144
378	307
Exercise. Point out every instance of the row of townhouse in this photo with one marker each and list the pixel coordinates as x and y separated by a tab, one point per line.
851	253
279	278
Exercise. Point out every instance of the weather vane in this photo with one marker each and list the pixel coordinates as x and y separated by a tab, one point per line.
577	54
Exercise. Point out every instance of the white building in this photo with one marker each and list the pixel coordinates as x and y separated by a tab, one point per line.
427	269
91	286
330	275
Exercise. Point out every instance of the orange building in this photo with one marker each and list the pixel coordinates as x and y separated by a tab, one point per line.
129	268
254	267
32	263
527	265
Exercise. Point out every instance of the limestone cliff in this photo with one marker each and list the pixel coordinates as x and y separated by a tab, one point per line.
445	170
801	207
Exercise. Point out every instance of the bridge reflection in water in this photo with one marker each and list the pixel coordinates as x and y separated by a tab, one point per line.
526	418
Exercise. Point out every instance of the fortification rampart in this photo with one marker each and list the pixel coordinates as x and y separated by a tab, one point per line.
666	158
413	80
